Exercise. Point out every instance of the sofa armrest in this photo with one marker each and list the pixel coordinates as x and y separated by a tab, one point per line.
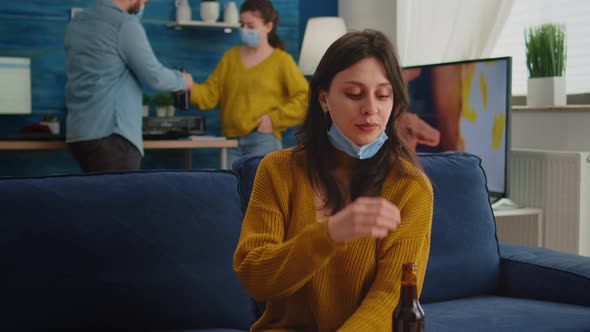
543	274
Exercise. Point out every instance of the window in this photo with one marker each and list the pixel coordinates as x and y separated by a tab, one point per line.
525	13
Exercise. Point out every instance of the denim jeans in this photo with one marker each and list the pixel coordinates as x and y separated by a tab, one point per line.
113	153
255	143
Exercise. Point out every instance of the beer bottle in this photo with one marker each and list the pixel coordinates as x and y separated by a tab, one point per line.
181	99
408	316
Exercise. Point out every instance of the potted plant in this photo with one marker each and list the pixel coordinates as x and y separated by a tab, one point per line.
162	102
545	59
146	105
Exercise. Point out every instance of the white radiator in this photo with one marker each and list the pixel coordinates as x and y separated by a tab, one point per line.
559	183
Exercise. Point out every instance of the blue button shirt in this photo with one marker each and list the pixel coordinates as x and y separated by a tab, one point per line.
108	57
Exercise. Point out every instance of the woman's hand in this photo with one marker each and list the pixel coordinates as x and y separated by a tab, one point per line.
366	216
189	81
265	124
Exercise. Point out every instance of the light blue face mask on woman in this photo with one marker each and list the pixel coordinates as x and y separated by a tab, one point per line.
250	37
342	143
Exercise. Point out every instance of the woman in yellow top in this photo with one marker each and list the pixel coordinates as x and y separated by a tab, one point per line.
259	86
331	221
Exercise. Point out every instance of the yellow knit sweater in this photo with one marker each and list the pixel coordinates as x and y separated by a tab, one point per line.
310	283
275	87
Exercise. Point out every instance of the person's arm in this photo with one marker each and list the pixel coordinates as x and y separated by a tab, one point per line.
206	95
267	264
447	99
137	53
416	131
293	111
409	243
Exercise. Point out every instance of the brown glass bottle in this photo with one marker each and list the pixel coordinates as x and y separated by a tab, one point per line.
408	316
181	99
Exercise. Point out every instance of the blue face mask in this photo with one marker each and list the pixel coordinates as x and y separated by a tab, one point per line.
250	37
342	143
139	14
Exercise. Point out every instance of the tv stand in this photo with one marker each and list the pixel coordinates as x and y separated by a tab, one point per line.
504	204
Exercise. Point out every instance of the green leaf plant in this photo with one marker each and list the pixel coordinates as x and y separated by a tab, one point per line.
546	50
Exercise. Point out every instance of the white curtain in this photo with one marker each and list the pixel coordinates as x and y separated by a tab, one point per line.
434	31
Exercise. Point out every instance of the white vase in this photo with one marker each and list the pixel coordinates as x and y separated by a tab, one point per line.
171	111
209	11
162	112
183	11
546	91
230	13
53	126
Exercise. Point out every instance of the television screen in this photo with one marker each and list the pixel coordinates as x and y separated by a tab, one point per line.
464	106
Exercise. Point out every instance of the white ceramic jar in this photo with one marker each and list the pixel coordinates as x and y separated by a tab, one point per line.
209	11
230	13
183	11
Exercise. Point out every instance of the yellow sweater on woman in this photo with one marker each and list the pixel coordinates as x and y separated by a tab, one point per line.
275	87
310	283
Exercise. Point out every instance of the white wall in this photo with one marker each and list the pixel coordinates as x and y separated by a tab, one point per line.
370	14
555	130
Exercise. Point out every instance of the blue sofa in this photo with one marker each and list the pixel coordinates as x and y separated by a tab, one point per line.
152	251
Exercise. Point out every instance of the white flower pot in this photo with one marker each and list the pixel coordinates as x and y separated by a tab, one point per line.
183	11
53	126
209	11
546	91
230	13
145	110
171	111
162	112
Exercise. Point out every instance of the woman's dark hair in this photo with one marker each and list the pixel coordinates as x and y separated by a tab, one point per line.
367	175
268	14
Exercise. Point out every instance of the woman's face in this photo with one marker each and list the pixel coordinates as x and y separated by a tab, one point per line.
253	20
360	100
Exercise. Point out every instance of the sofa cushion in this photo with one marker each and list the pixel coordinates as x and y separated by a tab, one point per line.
146	250
492	314
463	242
559	276
464	257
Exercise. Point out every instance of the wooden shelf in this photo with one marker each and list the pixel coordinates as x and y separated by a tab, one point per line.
202	24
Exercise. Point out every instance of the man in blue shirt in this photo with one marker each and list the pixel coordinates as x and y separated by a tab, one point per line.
108	58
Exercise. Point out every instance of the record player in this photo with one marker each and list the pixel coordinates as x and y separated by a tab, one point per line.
173	127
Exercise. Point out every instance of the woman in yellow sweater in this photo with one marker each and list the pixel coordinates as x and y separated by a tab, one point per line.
331	221
258	85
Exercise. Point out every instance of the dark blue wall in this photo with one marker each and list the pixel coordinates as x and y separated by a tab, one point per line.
35	29
310	8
